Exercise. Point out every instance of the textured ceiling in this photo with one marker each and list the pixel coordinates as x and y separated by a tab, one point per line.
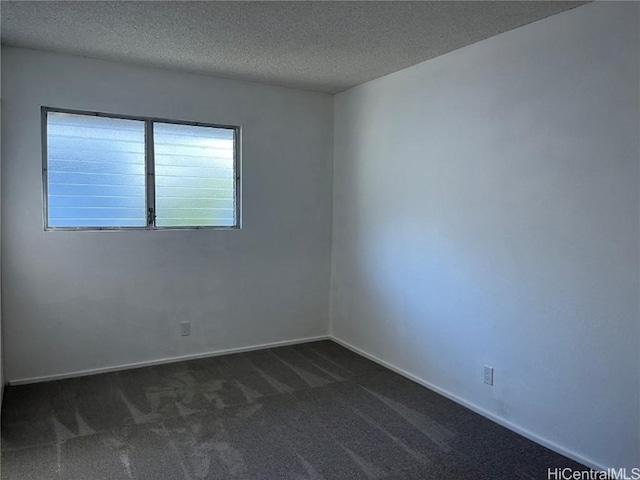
321	45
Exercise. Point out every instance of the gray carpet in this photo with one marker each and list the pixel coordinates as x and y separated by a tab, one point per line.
312	411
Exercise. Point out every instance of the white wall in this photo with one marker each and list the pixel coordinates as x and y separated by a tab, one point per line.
83	300
1	337
486	212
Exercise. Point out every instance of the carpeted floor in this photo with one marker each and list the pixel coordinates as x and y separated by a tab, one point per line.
310	411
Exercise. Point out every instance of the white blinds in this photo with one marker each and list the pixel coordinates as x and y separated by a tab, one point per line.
95	171
194	176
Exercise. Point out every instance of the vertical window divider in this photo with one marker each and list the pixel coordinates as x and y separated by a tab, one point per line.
150	183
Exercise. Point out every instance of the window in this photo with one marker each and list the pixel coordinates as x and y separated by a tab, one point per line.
110	172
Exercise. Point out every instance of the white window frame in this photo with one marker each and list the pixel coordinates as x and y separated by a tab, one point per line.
150	189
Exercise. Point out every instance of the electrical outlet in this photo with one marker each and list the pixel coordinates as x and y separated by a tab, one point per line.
186	328
488	375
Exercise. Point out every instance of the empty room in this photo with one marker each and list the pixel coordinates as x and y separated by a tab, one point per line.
320	240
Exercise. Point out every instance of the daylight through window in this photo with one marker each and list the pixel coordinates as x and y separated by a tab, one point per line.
105	172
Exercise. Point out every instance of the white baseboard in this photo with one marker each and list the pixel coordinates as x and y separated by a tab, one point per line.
160	361
501	421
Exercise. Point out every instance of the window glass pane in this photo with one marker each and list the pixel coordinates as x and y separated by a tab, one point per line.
194	176
95	171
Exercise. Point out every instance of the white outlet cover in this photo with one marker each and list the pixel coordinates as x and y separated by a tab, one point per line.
185	328
488	375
